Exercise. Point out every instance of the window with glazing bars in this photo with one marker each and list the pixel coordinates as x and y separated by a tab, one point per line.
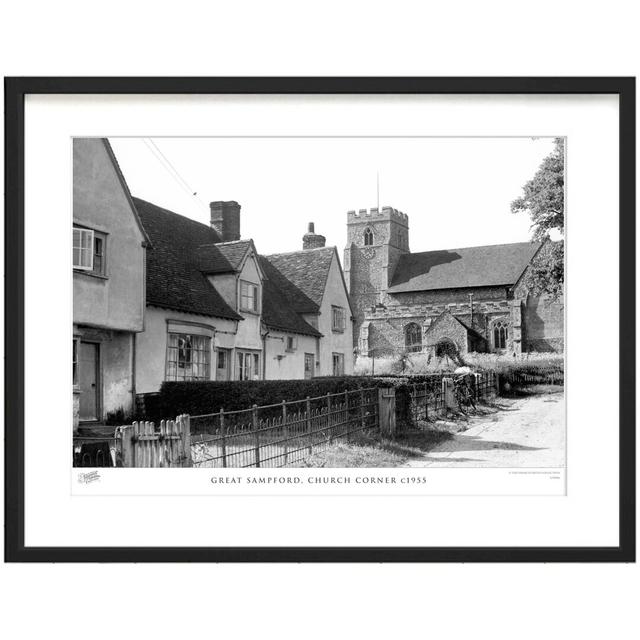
188	357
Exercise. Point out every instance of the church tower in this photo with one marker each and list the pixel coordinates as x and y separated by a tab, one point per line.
375	241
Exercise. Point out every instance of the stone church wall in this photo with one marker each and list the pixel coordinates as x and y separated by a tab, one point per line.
544	324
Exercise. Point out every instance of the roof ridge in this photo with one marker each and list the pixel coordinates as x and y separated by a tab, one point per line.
288	253
233	241
173	213
476	246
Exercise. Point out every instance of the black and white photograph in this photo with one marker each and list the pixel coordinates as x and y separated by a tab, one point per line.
319	302
363	316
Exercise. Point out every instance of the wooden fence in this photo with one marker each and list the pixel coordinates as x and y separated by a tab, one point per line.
142	445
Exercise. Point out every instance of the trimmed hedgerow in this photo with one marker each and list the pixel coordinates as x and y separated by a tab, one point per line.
196	398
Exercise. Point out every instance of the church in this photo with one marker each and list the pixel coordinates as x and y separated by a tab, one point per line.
443	302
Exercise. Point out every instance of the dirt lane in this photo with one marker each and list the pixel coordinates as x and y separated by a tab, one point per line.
526	432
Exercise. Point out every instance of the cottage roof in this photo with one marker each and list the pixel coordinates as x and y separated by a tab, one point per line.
125	187
302	276
174	278
185	251
277	311
223	257
486	266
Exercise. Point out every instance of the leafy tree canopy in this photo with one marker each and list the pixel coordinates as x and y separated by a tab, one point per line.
543	201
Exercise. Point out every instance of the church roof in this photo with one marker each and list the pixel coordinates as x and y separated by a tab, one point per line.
486	266
302	276
174	278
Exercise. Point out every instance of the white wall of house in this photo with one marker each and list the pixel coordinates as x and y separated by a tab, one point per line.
334	341
108	303
114	300
284	364
151	344
249	330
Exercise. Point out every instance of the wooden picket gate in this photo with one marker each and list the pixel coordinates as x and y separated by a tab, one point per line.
142	445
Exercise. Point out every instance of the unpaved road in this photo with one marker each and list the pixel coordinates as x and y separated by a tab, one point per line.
524	432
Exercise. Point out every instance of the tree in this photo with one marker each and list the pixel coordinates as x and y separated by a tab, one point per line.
543	201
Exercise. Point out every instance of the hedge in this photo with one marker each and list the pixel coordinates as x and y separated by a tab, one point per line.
197	398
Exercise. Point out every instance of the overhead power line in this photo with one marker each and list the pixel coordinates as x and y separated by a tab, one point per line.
172	171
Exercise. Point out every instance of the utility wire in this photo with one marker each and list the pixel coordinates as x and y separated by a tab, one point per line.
172	171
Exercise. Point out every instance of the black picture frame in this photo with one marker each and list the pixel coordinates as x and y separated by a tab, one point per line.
15	91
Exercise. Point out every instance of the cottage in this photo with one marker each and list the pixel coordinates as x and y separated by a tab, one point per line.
217	310
109	245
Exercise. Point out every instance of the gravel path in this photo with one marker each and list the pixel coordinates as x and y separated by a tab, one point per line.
526	432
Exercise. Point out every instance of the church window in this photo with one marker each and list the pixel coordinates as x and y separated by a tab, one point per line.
500	334
368	237
413	337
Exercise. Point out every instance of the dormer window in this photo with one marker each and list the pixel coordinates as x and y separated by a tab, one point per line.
248	296
368	237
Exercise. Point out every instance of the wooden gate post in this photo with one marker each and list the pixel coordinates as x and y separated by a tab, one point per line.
126	445
387	411
448	395
185	436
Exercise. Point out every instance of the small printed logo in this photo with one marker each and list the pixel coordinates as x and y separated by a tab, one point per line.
90	476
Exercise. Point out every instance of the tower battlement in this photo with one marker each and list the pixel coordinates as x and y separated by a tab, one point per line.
384	213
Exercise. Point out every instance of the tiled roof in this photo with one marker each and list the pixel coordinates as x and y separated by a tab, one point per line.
492	265
174	279
234	252
304	276
296	298
211	260
278	313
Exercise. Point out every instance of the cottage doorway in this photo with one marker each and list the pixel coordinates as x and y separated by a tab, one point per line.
88	379
223	364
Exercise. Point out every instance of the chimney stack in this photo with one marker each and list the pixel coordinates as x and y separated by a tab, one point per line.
225	219
312	240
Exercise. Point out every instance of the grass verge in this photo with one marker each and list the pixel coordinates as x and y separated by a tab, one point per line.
370	451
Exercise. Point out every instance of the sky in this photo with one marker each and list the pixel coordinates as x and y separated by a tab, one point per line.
456	191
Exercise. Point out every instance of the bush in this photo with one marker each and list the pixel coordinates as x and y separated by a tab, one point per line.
414	365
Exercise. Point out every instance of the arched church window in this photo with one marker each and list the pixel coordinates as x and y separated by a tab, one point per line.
500	335
413	337
368	237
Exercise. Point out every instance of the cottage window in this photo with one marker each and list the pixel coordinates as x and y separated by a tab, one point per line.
188	357
248	365
338	319
413	337
99	254
89	250
291	343
338	364
248	296
368	237
500	335
83	249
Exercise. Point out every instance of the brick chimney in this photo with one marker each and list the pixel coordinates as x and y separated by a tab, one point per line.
225	219
312	240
